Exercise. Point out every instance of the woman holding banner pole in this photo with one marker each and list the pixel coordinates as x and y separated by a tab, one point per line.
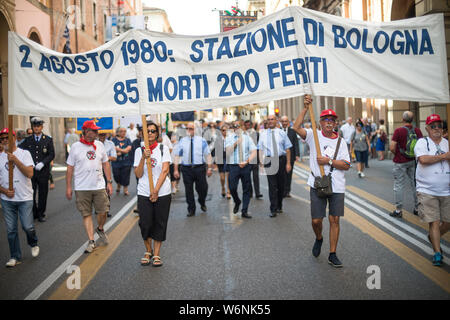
153	202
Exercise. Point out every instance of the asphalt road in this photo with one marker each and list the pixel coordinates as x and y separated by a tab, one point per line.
218	255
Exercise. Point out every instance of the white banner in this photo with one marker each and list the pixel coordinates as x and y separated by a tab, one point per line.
289	53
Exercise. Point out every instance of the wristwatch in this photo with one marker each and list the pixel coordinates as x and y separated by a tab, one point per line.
110	181
330	162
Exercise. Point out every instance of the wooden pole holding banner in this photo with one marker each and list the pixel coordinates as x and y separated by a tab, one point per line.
10	148
448	122
316	138
147	147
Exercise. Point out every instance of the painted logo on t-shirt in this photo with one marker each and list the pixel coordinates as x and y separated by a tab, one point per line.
154	162
7	165
91	155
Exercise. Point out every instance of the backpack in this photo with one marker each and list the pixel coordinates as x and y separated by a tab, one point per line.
411	140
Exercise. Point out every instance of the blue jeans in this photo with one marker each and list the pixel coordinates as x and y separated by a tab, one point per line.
24	211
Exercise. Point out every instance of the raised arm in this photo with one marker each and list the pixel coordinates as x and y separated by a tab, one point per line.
299	121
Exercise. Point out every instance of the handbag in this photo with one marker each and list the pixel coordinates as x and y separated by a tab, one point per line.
323	185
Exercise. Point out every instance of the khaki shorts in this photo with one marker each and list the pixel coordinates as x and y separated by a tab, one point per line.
433	208
97	198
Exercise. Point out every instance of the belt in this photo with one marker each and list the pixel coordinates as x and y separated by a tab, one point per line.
193	166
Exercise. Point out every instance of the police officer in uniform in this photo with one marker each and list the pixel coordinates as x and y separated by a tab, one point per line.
43	152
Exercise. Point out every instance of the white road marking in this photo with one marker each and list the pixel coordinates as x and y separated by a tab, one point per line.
54	276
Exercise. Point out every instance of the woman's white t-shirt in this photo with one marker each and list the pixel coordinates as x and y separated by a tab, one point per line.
23	189
143	187
327	148
88	165
433	179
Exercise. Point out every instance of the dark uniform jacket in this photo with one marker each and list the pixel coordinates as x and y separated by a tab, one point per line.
295	149
42	151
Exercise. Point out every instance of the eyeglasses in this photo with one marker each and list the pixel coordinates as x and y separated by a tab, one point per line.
4	138
328	119
152	131
436	126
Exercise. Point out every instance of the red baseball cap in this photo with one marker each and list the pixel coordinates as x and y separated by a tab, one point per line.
433	118
90	124
6	131
328	112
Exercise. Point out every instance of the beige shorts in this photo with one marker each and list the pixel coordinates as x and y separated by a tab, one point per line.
87	199
433	208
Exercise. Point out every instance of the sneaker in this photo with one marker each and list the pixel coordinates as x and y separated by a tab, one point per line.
90	246
102	236
334	261
317	247
440	249
437	259
35	251
362	175
396	214
359	174
12	263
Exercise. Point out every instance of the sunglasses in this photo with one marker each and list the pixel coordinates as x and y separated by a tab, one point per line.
190	128
4	138
328	119
152	131
436	126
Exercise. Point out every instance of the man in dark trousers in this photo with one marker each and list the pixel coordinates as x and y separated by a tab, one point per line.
43	152
254	168
295	152
196	163
275	154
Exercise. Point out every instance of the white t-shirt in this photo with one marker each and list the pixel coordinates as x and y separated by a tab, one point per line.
87	163
23	189
328	148
433	179
143	187
347	132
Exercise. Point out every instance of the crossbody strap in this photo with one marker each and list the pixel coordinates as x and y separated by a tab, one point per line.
336	152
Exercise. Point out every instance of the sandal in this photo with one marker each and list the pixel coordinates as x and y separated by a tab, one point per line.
146	261
156	261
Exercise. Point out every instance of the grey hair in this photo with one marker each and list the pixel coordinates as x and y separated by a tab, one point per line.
408	116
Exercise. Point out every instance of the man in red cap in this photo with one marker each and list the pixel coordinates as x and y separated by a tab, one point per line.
17	203
336	161
86	162
433	183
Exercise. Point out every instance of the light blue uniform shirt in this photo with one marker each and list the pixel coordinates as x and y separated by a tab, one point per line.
200	146
247	147
282	142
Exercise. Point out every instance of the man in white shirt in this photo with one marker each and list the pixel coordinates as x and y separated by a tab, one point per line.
17	203
347	131
328	142
132	132
86	163
433	183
